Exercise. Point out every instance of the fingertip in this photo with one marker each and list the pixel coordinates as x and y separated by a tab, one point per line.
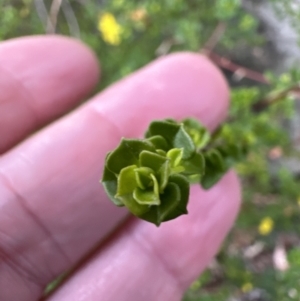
46	48
42	77
56	49
201	63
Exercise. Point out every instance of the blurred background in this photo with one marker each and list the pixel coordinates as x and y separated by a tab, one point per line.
256	44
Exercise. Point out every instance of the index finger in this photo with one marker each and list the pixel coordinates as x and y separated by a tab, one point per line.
53	209
41	78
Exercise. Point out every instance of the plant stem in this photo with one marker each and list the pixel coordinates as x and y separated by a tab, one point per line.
273	98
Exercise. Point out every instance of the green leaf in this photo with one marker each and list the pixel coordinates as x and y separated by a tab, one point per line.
171	120
151	176
233	153
199	134
126	181
192	123
151	160
159	142
160	164
174	134
109	181
215	168
194	165
164	128
134	207
163	175
161	152
170	200
127	153
143	178
146	197
184	141
173	201
169	211
175	156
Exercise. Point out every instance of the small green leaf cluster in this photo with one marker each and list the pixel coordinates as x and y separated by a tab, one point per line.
152	176
226	9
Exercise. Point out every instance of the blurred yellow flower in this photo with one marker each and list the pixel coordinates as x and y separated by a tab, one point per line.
110	29
298	200
247	287
266	226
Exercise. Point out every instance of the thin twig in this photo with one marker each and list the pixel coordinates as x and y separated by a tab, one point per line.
237	69
52	20
273	98
71	19
225	63
241	72
42	12
215	37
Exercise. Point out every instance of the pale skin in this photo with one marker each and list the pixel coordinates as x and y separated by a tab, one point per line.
53	211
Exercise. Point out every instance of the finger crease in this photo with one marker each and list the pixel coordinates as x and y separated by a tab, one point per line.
118	130
22	201
19	268
151	252
27	92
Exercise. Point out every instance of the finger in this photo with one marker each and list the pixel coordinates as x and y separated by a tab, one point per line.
40	79
156	264
187	86
53	208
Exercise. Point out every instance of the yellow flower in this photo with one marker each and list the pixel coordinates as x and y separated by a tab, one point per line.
110	29
247	287
266	226
298	200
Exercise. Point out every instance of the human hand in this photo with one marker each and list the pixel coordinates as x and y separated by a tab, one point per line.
53	211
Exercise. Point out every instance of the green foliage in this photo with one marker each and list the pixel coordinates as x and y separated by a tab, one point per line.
226	9
265	195
151	176
148	28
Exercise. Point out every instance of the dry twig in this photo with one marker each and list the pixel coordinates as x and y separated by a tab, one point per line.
215	37
225	63
52	18
273	98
